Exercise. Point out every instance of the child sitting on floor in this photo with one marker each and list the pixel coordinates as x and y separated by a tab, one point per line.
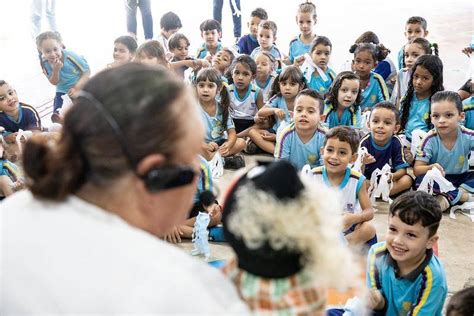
286	241
340	149
15	115
301	141
403	274
384	147
447	148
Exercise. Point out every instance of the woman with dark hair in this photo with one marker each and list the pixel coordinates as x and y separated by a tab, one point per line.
83	237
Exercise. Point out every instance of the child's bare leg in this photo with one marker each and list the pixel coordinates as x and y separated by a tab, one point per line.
238	146
245	132
402	184
256	135
6	185
361	234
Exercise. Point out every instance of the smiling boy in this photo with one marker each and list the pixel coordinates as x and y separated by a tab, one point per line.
403	274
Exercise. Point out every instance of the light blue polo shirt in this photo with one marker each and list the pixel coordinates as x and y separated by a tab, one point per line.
216	130
202	51
417	116
319	85
298	48
350	116
290	147
454	161
422	292
278	102
74	66
468	108
375	92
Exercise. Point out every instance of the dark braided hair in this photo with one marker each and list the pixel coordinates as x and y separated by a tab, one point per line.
434	65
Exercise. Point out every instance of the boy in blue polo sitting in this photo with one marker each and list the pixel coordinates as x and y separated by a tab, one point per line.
403	274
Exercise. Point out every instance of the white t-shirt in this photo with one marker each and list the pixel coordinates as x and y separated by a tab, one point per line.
75	258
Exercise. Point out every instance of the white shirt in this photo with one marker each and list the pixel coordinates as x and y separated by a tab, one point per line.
75	258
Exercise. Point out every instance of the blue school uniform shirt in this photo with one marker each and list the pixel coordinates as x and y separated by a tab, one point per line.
318	84
391	153
74	66
468	108
350	116
400	58
204	182
454	161
417	116
349	187
274	51
266	89
290	147
375	92
243	108
278	102
216	128
28	119
422	292
9	169
298	48
202	50
247	44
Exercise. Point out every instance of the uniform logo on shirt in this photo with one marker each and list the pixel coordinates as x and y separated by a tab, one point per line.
312	159
426	116
217	129
373	98
460	163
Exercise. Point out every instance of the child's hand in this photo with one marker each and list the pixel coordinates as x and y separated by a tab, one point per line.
72	92
212	146
204	63
439	167
280	113
175	236
57	64
224	150
269	136
10	139
298	61
259	119
375	299
213	209
348	220
368	159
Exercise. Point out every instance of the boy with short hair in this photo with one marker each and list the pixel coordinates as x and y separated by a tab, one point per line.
339	150
170	24
249	42
15	115
416	26
266	36
300	142
384	147
211	33
403	275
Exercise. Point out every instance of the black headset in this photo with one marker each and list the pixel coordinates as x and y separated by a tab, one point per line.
155	179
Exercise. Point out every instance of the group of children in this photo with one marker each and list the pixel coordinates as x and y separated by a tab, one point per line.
255	99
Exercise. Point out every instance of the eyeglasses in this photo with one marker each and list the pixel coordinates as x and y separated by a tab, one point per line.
169	177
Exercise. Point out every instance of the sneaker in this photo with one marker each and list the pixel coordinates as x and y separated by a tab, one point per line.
234	162
443	202
251	148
